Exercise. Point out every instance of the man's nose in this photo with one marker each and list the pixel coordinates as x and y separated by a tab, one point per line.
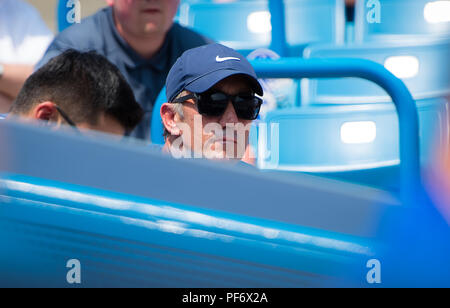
229	116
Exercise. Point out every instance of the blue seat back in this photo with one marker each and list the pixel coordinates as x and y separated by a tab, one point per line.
423	67
245	25
242	25
318	21
327	139
399	19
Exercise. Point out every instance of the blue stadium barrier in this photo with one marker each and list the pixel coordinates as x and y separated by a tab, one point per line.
351	142
310	22
127	226
399	20
421	65
246	25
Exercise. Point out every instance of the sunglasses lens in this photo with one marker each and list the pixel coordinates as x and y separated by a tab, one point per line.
247	107
213	104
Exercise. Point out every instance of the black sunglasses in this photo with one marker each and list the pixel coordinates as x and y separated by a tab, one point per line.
214	104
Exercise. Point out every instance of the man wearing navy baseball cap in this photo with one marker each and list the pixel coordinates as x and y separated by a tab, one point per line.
213	97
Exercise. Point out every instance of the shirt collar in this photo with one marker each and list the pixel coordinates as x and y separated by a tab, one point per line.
131	58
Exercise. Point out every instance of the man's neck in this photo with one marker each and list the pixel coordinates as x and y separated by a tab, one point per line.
146	46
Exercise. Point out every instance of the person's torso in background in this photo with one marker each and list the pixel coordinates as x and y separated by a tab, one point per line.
24	37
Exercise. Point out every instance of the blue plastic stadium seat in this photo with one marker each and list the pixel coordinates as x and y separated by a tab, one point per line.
399	19
127	227
330	139
318	21
422	66
242	25
245	25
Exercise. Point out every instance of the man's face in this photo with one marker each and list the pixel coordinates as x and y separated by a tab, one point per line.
224	136
145	17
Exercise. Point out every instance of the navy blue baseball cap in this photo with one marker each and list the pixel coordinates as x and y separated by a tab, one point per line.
199	69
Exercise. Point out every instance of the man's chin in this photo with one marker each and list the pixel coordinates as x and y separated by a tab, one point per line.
151	28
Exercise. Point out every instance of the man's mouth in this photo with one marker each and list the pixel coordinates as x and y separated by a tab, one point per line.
151	11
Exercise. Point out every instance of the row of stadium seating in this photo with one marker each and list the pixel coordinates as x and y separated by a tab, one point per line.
128	228
331	113
346	141
329	106
246	24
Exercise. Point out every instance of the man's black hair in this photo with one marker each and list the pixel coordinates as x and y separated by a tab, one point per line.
83	84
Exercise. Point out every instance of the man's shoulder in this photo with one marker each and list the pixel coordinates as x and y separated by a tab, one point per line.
87	35
187	38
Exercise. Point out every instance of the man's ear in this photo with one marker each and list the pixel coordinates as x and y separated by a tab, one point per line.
168	119
110	2
45	111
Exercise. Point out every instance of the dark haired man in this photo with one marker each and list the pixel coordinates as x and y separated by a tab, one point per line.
83	90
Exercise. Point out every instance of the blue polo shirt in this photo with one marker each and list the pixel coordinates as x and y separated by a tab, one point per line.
146	77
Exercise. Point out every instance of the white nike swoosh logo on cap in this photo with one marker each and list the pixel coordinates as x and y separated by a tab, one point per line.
219	59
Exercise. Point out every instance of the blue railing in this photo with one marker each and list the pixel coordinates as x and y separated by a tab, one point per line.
340	68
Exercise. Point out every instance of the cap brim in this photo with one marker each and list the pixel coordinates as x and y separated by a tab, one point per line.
207	81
